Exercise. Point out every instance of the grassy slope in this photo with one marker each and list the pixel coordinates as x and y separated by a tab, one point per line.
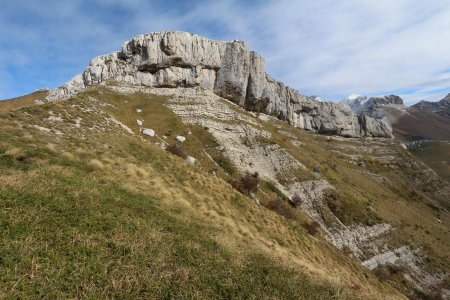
394	197
98	213
436	154
420	125
23	101
399	194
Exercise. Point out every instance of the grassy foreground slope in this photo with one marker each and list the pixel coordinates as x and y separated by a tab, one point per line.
89	209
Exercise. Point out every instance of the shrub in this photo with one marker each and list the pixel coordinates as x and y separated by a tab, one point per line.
317	169
279	206
312	228
250	182
387	271
397	268
382	272
246	184
177	150
347	250
237	185
296	200
333	165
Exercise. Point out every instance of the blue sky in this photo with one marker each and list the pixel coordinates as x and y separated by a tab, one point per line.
322	47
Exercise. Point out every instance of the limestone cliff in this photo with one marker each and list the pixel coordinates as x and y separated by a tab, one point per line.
229	69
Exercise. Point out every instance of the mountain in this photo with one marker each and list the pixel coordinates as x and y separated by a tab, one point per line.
167	170
387	108
354	101
441	108
229	69
425	121
423	127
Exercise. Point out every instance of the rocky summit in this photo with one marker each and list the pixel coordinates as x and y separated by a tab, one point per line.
230	70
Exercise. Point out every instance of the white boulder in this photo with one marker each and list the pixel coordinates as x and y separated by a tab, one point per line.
148	132
190	160
180	138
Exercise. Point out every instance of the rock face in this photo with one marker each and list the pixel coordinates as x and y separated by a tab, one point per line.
229	69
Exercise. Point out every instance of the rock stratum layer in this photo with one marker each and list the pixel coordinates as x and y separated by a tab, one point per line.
230	70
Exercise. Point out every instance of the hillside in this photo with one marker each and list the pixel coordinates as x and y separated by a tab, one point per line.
119	189
425	121
435	154
23	101
423	127
97	210
109	195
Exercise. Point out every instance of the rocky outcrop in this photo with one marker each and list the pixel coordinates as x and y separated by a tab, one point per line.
229	69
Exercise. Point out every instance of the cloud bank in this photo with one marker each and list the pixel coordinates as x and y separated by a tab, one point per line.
323	47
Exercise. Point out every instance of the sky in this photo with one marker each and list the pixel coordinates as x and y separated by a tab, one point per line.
326	48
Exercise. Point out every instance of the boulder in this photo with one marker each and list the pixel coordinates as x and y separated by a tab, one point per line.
190	160
180	138
148	132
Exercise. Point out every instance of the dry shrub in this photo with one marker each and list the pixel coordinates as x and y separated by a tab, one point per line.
296	200
246	184
312	228
279	206
387	271
347	250
250	182
177	150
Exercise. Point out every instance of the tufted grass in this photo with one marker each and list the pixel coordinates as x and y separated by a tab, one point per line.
69	234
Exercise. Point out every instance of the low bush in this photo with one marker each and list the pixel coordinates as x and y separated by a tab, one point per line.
246	184
387	271
312	228
279	206
296	200
177	150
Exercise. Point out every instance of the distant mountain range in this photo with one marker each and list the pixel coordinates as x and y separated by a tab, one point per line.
423	121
